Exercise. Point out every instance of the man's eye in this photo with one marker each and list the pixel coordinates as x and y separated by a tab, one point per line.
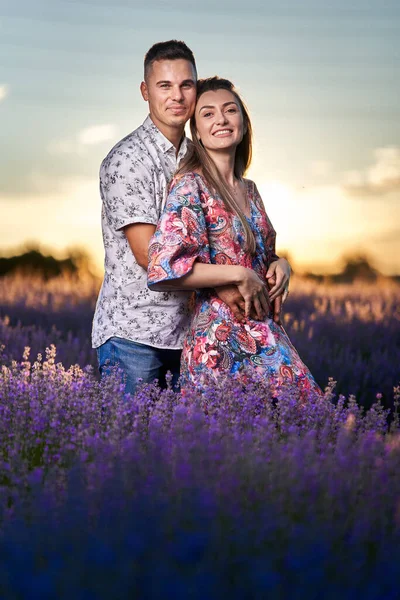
164	85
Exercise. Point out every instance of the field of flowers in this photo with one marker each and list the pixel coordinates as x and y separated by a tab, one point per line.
228	494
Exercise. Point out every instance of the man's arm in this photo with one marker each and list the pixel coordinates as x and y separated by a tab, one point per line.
138	236
129	198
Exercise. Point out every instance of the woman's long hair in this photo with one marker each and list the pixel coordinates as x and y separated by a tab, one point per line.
199	159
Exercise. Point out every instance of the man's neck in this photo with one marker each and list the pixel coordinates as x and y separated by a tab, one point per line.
173	134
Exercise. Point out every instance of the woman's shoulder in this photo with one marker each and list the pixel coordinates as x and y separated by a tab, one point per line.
254	194
193	179
187	175
251	187
250	183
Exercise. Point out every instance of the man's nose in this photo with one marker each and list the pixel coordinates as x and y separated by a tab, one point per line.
177	93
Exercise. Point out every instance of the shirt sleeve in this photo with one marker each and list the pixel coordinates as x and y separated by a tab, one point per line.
181	236
128	192
270	233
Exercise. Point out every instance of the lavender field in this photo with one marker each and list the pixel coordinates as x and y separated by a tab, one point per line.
228	494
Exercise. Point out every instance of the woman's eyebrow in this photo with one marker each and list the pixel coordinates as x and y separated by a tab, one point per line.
213	106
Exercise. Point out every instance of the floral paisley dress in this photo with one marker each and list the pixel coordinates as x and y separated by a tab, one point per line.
195	226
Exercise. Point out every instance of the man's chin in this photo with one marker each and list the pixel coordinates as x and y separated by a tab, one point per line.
178	120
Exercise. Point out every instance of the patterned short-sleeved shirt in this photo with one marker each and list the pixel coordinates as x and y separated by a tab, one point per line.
134	178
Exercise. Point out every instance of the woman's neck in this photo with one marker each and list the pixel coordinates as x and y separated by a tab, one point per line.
225	163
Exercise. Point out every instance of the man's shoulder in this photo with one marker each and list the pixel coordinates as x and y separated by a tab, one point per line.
132	149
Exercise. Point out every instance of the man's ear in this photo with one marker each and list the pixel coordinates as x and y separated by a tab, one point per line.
144	90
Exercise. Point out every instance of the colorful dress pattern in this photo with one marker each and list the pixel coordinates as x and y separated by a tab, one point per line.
195	226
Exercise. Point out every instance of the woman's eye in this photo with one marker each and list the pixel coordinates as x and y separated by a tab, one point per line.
207	114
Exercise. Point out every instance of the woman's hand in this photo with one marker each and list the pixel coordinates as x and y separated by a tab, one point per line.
278	289
254	293
279	274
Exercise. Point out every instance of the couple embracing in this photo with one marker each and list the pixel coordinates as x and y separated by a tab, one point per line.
178	219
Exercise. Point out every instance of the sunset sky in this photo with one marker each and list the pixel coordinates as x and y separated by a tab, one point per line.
321	80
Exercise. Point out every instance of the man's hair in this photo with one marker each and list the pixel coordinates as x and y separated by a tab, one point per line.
171	50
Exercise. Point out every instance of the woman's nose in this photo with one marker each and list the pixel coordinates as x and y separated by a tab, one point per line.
221	118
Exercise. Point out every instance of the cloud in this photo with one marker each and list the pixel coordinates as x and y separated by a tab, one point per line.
90	136
318	224
388	236
320	168
37	172
96	134
381	178
4	91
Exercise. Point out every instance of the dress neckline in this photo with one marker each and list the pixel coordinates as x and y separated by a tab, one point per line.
248	196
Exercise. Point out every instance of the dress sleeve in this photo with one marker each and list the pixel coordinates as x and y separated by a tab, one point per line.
270	233
181	236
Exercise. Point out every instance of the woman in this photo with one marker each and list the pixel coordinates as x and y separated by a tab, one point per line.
214	232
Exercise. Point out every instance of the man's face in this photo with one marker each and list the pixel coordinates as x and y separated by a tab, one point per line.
170	90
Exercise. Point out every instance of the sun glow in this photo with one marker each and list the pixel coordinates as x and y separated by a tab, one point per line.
319	224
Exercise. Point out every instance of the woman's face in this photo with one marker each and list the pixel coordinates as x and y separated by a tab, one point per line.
219	120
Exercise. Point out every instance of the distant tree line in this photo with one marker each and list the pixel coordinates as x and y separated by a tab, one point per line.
356	268
33	263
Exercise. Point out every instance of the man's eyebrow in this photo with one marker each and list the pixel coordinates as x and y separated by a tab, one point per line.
169	82
213	105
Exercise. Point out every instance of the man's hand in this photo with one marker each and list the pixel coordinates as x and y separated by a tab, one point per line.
230	295
278	276
233	298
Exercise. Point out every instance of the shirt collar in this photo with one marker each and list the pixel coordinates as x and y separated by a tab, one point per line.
162	142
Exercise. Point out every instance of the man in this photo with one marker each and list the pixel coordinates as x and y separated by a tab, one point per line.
142	331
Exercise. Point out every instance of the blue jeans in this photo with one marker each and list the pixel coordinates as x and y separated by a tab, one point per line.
138	361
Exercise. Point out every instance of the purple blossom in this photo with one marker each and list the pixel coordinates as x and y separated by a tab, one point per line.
230	492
